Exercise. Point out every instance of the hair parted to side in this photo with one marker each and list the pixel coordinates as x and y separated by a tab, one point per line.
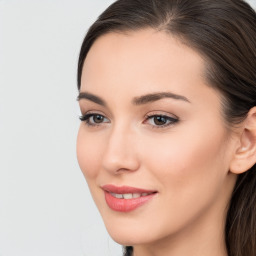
224	33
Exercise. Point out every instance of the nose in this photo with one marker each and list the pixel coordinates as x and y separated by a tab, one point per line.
120	152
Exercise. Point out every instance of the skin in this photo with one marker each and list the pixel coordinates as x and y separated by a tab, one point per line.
186	162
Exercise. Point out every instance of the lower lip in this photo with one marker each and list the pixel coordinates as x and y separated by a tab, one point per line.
126	205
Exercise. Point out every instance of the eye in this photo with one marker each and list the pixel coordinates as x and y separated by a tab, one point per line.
94	119
160	121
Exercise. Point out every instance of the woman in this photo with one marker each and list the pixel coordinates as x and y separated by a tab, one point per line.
167	91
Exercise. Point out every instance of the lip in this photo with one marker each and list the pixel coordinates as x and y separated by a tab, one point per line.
125	189
126	205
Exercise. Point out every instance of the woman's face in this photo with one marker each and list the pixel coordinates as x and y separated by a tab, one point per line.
152	146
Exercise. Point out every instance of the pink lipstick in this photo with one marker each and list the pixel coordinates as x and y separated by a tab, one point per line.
126	199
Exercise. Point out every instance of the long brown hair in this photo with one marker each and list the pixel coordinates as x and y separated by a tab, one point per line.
224	33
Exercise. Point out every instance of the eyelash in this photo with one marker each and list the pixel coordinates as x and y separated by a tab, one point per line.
86	118
171	120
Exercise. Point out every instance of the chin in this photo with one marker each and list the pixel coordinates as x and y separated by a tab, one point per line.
130	232
127	238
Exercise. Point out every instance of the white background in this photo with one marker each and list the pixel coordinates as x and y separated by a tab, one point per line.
45	205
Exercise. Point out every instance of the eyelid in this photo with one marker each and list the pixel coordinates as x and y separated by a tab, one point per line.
96	112
161	113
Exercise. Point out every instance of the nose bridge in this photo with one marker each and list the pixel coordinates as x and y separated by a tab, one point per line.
120	150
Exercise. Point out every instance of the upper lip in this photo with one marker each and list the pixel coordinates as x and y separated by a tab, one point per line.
125	189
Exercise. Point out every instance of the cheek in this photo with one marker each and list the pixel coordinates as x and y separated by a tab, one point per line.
190	171
185	159
88	153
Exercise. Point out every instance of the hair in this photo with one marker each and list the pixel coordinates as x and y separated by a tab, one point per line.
223	32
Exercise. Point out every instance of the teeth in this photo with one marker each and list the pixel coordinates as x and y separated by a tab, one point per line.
118	195
129	196
136	195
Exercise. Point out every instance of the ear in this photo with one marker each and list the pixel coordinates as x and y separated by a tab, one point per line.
245	154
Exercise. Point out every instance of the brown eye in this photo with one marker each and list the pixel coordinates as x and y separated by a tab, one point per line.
160	120
92	119
98	119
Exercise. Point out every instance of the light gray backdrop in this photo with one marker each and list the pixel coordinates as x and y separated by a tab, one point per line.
45	205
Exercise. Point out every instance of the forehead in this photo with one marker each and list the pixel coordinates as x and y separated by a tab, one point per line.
141	61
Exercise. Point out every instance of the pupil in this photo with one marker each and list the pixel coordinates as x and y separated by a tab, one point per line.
159	120
98	119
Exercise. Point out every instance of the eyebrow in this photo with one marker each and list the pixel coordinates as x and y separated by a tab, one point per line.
91	97
144	99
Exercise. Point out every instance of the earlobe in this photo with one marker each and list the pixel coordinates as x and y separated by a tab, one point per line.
245	154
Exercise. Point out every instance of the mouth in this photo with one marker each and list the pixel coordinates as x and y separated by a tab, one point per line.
126	199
